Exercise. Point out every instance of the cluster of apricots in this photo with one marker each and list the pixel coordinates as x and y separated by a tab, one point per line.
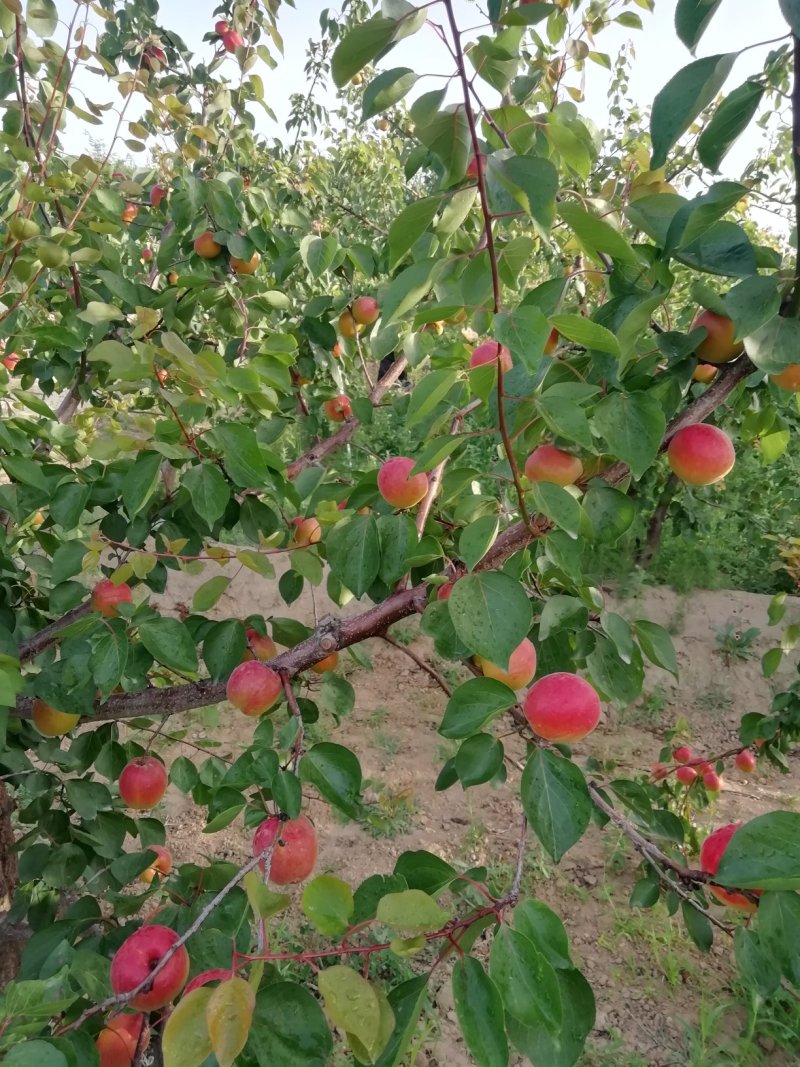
362	312
207	247
690	768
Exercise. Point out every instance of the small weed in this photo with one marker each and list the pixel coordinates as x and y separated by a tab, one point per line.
733	644
386	742
453	673
444	750
392	812
648	711
610	1054
404	633
378	716
715	698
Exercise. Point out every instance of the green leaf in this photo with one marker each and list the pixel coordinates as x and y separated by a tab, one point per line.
354	553
533	182
479	1008
617	679
775	345
241	455
407	290
86	797
543	927
562	613
186	1042
425	871
526	980
491	614
563	1049
385	90
406	1001
361	45
610	512
682	99
351	1004
559	505
289	1028
556	801
764	853
524	331
336	773
446	133
477	538
633	425
478	759
398	537
691	19
67	561
25	471
42	17
596	235
586	333
183	774
779	929
223	648
108	659
657	645
208	490
140	482
722	249
68	503
169	642
318	253
757	965
698	215
264	903
409	226
474	704
328	904
429	391
752	303
728	122
207	594
35	1053
697	926
411	912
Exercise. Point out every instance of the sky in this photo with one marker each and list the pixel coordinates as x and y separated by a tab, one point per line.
658	55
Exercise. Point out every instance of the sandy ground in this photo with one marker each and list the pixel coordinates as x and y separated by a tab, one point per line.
650	982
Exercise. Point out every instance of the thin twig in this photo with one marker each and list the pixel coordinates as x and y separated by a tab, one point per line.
294	707
523	838
423	666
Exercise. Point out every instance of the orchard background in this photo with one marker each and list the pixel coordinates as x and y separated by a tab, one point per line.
341	718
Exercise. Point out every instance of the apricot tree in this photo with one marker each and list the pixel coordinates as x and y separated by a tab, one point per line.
180	331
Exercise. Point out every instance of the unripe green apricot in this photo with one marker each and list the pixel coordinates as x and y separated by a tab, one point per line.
22	229
52	255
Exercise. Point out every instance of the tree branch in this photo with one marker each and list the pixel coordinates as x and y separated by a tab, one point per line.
793	309
420	662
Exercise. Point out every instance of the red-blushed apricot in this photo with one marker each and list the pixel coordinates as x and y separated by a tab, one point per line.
51	722
336	351
398	486
746	761
521	666
789	378
137	957
147	255
364	310
261	646
444	591
562	707
295	853
157	194
220	27
231	40
329	663
160	866
205	245
712	781
720	346
253	688
143	782
129	212
711	853
686	775
551	344
118	1041
10	361
658	771
474	163
701	454
348	327
338	408
245	266
682	754
107	594
153	57
704	373
217	974
306	532
550	464
489	352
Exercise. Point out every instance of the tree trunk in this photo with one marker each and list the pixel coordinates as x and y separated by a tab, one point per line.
11	944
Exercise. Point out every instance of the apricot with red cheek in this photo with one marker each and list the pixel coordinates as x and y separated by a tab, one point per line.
306	532
562	707
720	345
701	454
398	486
261	646
789	378
490	352
294	854
253	688
686	775
364	310
711	853
746	761
521	666
550	464
704	373
338	408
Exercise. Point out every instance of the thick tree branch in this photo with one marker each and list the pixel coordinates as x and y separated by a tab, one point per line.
32	646
793	309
